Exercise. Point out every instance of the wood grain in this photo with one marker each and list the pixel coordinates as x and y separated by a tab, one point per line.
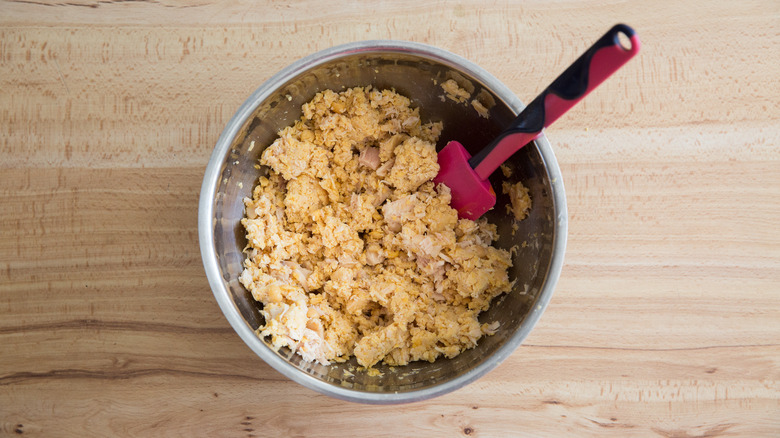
666	320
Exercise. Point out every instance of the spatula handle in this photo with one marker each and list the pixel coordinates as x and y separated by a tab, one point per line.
602	59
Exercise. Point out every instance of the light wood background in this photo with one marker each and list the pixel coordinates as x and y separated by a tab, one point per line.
666	320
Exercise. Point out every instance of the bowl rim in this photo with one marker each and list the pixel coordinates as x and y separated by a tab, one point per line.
206	212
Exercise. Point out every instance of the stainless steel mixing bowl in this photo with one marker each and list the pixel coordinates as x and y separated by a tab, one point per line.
417	71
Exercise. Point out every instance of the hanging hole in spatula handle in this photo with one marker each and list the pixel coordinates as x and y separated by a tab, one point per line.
625	41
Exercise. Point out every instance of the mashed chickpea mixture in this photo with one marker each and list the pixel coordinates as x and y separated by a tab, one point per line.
354	251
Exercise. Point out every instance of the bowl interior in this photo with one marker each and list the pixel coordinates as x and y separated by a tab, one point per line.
418	77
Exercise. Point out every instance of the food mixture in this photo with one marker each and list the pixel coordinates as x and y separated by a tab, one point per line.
519	199
353	250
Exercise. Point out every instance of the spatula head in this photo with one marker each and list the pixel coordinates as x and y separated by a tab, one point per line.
472	196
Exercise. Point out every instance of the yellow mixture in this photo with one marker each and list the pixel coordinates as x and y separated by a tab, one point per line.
354	251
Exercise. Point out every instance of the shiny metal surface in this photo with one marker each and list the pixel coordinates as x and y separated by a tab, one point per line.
416	71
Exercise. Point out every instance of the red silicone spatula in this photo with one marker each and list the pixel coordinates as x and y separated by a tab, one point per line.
467	176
